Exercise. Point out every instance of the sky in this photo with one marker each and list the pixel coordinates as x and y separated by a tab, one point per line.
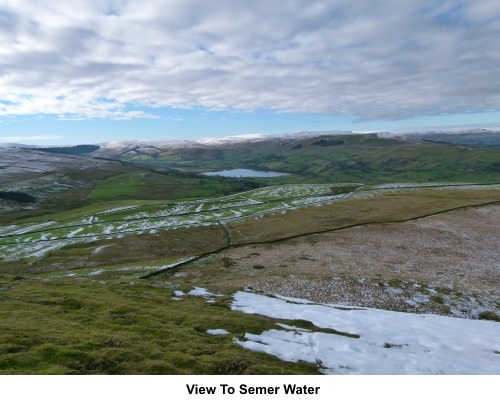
89	71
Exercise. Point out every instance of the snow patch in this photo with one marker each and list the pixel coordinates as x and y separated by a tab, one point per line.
118	209
202	292
218	332
389	342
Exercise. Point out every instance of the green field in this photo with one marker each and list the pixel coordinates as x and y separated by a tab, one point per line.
354	158
136	238
47	233
150	185
77	326
96	280
83	308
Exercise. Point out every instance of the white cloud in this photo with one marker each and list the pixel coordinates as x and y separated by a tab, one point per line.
377	59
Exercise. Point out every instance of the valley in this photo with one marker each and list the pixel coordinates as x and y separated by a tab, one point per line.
133	256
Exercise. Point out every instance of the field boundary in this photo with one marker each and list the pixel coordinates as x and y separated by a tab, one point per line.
286	238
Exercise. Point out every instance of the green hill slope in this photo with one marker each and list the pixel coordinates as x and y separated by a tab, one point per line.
348	158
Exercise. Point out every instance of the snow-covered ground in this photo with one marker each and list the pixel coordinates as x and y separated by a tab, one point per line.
297	136
214	142
15	229
389	342
217	332
116	222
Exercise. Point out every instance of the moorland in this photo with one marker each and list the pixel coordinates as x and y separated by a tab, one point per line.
123	258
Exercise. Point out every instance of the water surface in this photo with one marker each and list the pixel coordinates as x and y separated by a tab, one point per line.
245	173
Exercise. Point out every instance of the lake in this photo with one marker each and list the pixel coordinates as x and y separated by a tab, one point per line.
245	173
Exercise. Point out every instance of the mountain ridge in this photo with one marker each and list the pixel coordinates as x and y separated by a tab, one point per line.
452	133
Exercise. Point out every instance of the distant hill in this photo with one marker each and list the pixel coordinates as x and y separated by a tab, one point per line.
368	158
71	150
484	138
471	139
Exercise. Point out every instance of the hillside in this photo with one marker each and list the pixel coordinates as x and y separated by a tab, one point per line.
125	260
366	158
59	178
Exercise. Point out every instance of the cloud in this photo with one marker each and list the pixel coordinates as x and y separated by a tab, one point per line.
375	60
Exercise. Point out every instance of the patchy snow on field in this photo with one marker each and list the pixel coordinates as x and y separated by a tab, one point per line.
117	222
24	250
4	230
74	232
134	219
472	187
289	191
117	209
202	292
19	230
259	197
389	342
218	332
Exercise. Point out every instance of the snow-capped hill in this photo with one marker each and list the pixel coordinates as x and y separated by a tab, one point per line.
450	131
475	137
227	141
457	136
143	144
234	139
14	146
435	132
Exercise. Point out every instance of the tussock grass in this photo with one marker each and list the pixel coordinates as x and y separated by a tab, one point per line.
76	326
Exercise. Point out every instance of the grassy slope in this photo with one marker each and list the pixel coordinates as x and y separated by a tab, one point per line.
84	327
105	325
127	254
126	246
361	158
100	324
382	207
151	185
370	160
55	200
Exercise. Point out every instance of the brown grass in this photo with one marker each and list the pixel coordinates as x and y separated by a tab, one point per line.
382	207
439	263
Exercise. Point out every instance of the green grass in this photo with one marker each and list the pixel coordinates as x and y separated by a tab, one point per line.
360	158
82	308
151	185
115	323
126	247
136	269
108	223
82	327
